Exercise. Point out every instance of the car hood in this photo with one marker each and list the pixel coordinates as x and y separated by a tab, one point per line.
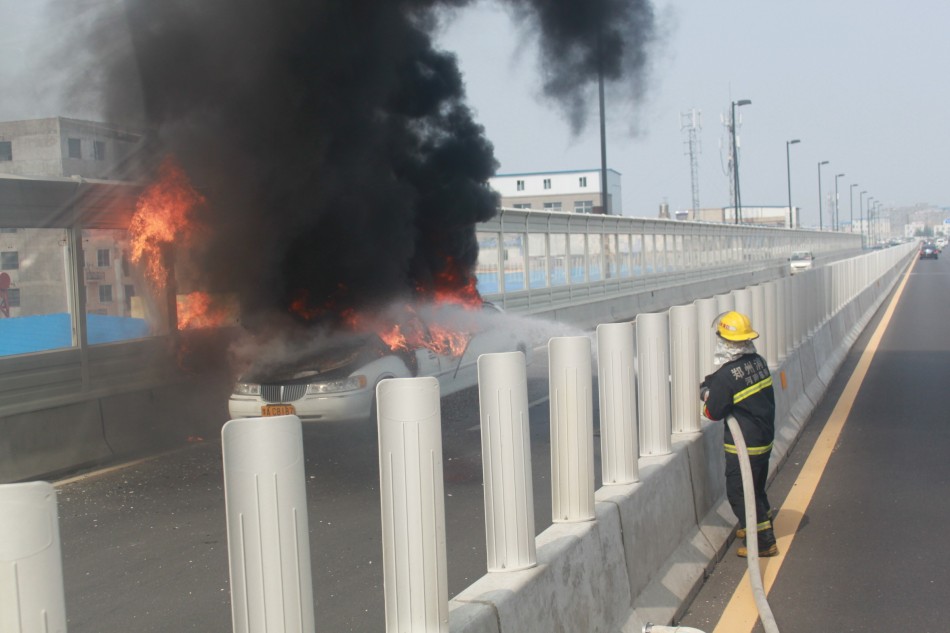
327	364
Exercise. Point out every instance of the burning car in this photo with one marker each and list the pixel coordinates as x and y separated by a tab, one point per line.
338	382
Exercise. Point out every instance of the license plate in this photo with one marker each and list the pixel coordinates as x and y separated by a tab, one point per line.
278	409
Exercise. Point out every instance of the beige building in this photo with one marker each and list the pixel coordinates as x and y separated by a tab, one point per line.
758	216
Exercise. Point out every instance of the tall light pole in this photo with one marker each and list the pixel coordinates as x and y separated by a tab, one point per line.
820	225
837	176
870	223
852	206
788	169
861	209
605	198
735	157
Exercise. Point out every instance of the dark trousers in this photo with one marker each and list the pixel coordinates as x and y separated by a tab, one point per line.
760	473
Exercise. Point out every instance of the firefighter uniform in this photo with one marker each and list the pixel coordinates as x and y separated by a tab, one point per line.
743	389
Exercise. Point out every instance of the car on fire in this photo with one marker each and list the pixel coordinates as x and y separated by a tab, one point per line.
338	382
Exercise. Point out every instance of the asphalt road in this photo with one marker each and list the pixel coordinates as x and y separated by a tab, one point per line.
869	554
145	546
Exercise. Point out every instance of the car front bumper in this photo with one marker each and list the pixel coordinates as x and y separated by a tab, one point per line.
351	405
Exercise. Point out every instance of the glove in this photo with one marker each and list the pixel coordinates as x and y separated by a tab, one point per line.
704	393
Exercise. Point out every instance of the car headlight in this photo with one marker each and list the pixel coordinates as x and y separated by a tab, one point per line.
336	386
247	389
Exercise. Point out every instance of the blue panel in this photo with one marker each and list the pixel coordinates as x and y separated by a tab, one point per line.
37	333
109	329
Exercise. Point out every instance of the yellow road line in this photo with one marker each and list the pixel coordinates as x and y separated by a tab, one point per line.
740	614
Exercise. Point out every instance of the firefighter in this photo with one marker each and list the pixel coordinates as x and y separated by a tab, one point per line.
742	387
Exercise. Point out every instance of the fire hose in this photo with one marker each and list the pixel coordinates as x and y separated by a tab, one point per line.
752	544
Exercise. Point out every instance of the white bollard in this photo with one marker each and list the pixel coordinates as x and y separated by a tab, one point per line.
653	373
572	429
415	584
725	303
506	462
706	313
268	532
684	369
617	384
781	320
31	562
770	290
796	309
743	299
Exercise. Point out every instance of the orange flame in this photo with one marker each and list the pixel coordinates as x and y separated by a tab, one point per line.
162	217
453	286
200	310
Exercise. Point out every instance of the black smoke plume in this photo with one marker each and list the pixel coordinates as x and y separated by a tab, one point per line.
341	165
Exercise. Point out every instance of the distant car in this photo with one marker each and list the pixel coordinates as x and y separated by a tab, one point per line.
801	260
929	250
338	382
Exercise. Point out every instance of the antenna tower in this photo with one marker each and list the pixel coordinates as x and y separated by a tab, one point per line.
691	122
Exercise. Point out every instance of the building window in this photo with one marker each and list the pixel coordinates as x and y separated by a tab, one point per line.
547	183
9	260
99	150
582	181
6	150
522	205
129	293
552	206
519	184
105	293
75	147
102	258
583	206
7	230
13	298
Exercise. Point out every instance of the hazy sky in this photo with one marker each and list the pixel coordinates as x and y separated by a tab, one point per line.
862	83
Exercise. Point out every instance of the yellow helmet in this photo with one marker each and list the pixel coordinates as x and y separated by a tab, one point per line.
735	326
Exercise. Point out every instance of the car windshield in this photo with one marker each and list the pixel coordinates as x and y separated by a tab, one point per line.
800	256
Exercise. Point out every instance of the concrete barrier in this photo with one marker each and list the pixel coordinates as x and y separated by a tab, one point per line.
653	541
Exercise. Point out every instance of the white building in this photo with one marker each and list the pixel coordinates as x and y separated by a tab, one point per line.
575	191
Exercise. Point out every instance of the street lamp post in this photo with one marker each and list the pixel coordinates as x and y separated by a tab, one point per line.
837	176
788	169
820	225
735	158
870	222
861	210
852	206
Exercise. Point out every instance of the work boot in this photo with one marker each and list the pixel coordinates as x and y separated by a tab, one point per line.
766	552
740	533
767	545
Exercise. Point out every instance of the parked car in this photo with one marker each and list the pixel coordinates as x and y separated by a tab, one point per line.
929	250
338	382
801	260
